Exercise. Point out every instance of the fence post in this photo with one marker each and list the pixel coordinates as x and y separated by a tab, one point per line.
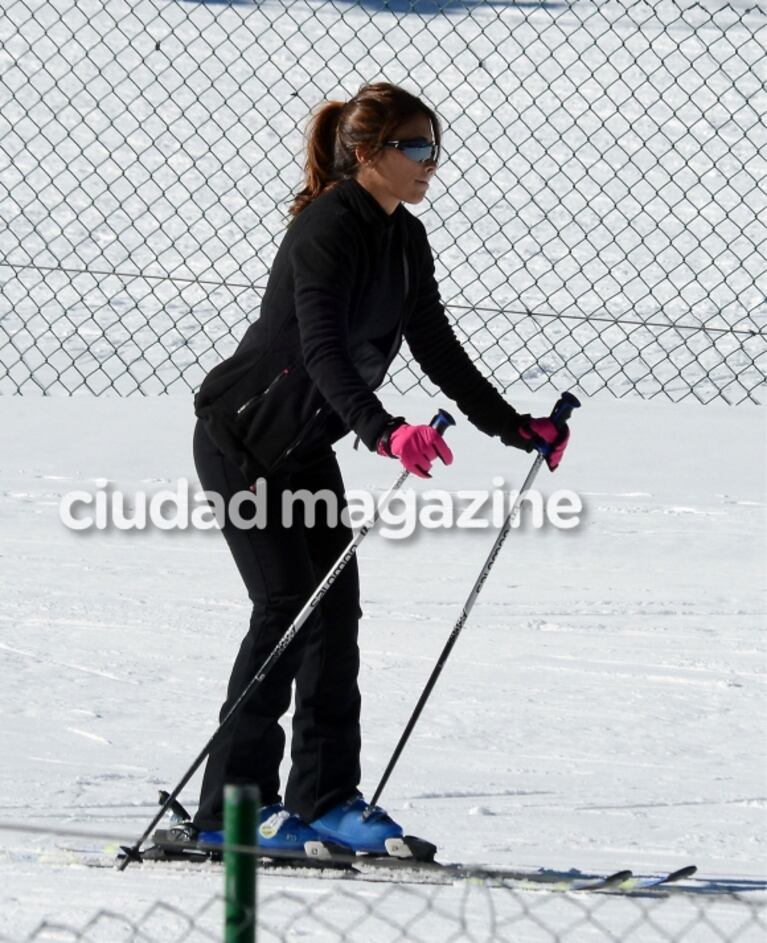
240	818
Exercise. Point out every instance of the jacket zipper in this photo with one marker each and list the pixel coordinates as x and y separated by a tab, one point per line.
298	439
259	396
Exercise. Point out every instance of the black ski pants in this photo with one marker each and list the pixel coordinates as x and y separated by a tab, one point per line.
281	564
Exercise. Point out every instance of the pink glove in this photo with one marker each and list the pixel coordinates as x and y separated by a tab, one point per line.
546	438
416	447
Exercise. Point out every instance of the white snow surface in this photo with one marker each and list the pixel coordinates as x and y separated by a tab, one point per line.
603	708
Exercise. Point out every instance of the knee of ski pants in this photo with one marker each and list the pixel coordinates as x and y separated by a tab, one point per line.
280	609
343	610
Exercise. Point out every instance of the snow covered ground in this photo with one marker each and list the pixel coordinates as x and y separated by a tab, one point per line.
604	708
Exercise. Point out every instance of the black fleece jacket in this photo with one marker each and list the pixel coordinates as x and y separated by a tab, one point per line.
348	283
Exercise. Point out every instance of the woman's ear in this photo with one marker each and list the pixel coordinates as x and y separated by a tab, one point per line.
363	155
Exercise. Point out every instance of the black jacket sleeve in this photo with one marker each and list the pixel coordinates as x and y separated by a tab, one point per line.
325	261
443	359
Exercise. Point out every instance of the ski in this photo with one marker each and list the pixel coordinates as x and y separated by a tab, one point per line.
616	879
323	864
672	877
624	882
410	858
332	861
545	879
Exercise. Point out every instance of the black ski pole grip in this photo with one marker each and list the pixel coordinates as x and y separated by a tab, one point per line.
563	409
442	421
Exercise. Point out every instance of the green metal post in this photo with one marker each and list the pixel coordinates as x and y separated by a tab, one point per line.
240	821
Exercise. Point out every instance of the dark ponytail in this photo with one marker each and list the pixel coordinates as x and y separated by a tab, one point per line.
320	155
337	130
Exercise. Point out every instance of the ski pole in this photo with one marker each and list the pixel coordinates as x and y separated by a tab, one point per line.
560	414
441	422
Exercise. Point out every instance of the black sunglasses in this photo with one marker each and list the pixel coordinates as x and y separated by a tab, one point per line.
417	149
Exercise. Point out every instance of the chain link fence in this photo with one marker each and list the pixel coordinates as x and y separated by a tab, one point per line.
401	914
599	220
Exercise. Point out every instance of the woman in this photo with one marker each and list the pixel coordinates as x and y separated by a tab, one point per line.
353	276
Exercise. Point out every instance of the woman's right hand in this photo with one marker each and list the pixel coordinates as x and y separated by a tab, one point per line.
416	447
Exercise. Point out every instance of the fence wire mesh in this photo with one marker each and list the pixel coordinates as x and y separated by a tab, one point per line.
475	913
600	219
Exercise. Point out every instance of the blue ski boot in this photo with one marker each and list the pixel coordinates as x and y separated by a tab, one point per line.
345	825
278	830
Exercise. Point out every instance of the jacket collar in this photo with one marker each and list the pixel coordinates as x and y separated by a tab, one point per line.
364	203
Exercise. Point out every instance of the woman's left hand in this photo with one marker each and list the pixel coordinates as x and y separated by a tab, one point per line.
545	437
